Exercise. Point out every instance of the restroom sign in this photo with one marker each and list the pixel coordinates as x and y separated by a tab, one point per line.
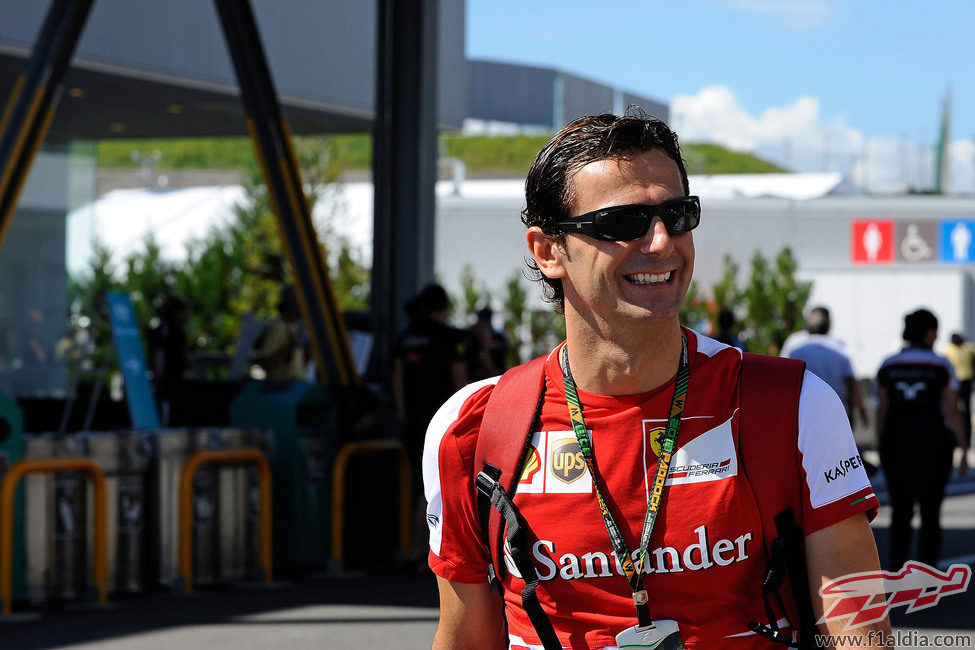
873	241
917	241
958	241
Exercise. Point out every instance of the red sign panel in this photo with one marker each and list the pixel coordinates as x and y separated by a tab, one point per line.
873	241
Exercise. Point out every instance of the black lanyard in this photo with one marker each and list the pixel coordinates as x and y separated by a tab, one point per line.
633	573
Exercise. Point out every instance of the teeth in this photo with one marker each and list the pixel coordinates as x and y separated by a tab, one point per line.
649	278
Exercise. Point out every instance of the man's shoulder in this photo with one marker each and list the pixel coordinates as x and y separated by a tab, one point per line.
707	348
461	414
914	356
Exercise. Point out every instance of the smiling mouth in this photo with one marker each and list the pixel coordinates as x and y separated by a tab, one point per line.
649	278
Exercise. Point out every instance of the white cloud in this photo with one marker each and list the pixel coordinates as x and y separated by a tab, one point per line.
797	15
796	136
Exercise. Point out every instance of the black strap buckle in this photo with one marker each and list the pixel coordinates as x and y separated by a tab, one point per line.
773	634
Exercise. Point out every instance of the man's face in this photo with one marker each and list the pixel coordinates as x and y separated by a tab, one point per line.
640	280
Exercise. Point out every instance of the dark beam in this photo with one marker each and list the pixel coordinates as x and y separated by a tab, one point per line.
404	165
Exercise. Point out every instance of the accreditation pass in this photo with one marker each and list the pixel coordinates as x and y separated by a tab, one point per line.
662	635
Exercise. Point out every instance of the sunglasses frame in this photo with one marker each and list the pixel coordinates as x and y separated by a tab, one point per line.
585	224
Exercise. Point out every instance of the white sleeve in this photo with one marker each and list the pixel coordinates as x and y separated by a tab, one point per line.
830	459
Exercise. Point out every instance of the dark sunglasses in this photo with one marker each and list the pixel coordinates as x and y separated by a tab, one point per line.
629	222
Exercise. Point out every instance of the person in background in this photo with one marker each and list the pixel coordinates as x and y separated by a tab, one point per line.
727	330
279	349
428	366
961	353
918	427
487	348
826	357
168	354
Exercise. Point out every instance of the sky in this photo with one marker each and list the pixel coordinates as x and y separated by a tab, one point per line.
855	86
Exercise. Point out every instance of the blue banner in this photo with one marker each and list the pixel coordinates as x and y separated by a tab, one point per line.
132	361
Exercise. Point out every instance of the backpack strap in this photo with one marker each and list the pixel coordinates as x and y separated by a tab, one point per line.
768	429
502	444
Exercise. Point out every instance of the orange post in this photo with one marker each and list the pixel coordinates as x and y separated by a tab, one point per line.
223	457
338	492
7	489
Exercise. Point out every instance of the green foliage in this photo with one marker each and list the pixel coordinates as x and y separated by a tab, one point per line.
724	291
546	329
179	153
694	311
236	268
705	158
773	300
502	155
515	308
472	295
494	154
88	312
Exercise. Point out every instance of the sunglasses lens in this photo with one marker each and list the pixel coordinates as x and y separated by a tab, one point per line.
681	216
623	225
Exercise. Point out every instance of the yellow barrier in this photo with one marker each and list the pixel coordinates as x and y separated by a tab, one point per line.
338	493
7	489
223	456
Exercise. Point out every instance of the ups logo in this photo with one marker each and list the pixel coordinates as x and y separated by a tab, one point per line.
567	461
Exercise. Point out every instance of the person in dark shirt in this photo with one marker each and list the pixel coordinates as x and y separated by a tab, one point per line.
487	350
429	366
168	354
918	419
726	329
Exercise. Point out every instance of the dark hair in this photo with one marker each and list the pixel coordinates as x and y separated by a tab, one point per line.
434	298
957	338
548	195
818	321
917	324
726	319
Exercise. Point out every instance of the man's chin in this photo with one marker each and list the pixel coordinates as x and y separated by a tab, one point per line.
646	314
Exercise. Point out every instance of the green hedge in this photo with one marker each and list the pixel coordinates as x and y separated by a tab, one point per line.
482	154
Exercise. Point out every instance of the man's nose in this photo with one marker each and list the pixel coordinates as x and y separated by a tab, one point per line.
657	241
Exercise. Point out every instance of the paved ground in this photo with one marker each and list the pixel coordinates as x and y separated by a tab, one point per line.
382	610
395	611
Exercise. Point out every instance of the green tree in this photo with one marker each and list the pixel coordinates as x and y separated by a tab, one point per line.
472	293
774	301
236	268
694	311
546	329
87	311
725	290
515	308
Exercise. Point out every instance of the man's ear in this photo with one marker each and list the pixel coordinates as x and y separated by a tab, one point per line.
548	254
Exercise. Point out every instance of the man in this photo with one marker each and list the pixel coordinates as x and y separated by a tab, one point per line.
961	354
279	350
918	418
427	368
826	358
487	350
619	277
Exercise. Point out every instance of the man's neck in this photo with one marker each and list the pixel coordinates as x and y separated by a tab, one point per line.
636	360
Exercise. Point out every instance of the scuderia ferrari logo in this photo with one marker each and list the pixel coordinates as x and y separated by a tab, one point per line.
568	463
709	456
